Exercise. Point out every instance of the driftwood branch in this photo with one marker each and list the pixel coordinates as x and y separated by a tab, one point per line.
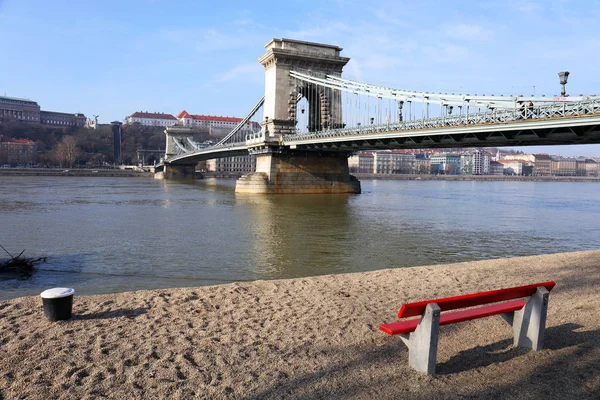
23	266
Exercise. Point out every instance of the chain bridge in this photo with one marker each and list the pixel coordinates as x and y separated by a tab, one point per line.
311	119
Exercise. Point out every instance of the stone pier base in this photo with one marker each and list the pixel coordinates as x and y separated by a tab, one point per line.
298	173
177	172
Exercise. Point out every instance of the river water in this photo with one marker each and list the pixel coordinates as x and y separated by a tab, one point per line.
105	235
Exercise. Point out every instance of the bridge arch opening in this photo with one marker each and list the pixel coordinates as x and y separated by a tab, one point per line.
315	108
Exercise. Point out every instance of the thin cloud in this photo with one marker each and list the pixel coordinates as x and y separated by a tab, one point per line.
525	6
468	32
249	72
325	32
210	40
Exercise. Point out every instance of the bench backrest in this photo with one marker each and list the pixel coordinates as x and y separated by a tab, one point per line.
474	299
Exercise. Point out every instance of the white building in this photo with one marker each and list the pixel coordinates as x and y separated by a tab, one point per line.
151	119
385	162
365	163
445	163
353	163
476	163
212	122
236	165
481	163
521	157
466	164
513	167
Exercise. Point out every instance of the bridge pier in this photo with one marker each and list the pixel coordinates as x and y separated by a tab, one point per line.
295	172
177	172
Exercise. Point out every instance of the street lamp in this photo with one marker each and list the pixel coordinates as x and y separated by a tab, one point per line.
563	75
400	105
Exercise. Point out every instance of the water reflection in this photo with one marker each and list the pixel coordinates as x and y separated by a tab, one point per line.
310	230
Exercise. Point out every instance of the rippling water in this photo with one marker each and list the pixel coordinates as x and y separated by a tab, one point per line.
104	235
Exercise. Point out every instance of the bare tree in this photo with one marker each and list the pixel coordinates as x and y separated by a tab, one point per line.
67	152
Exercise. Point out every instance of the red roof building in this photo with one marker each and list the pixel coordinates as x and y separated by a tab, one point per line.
211	121
16	151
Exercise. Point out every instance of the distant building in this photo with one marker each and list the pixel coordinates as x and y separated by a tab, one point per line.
389	162
404	163
237	164
466	164
19	109
62	119
542	165
16	151
422	163
383	162
151	119
209	122
580	169
481	163
365	163
512	167
353	163
496	168
29	111
445	164
591	167
563	166
522	157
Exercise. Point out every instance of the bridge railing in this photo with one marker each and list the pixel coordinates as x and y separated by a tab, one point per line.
554	110
182	150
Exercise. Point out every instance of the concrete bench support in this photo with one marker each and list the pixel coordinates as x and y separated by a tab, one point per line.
529	323
422	342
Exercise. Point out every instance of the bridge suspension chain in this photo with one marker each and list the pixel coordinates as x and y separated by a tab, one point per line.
242	124
367	105
180	147
496	102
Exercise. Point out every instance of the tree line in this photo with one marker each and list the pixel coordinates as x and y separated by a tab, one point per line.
82	147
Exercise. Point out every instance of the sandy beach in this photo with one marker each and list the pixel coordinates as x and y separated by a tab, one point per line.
309	338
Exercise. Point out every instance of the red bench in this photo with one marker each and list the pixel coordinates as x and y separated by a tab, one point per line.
523	307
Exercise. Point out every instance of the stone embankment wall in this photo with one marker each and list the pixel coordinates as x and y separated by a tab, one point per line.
71	172
478	178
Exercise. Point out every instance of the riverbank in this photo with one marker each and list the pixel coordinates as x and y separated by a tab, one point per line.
72	172
306	338
424	177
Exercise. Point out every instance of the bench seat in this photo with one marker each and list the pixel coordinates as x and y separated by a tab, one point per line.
522	307
399	327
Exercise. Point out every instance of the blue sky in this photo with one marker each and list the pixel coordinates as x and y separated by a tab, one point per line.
115	57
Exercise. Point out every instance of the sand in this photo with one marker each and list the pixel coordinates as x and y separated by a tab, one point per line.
306	338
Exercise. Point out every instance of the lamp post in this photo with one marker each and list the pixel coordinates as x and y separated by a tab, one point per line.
400	105
563	75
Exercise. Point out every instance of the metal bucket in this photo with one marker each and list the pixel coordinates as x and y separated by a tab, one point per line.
58	303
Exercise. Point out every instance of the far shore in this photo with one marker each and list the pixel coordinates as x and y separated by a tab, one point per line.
513	178
90	172
307	338
113	172
426	177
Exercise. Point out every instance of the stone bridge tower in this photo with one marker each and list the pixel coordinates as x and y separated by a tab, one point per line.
180	171
284	170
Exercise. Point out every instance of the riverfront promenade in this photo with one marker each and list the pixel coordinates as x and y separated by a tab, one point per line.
306	338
